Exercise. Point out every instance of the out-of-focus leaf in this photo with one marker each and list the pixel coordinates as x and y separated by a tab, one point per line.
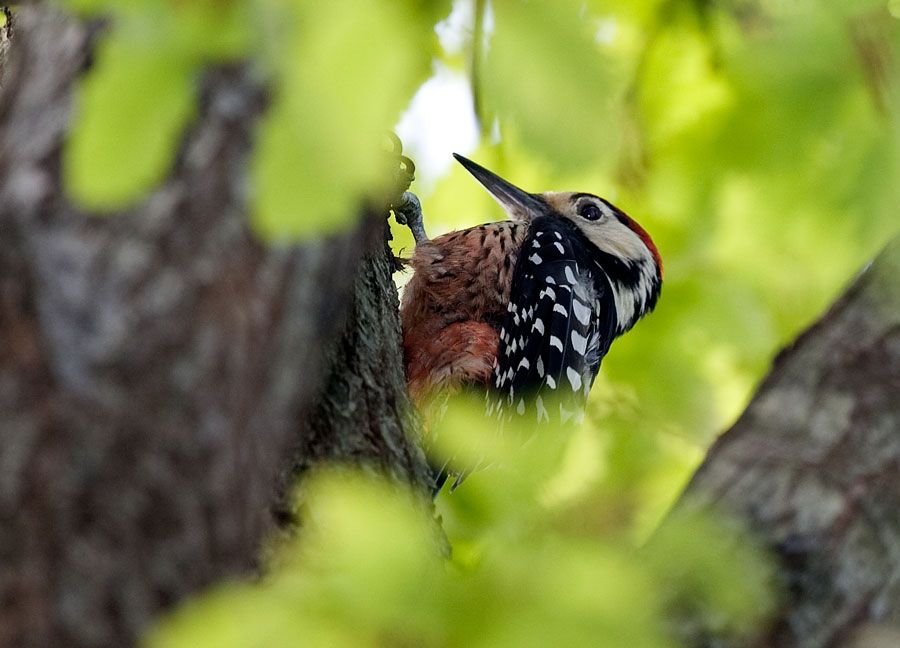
130	110
94	6
686	92
133	105
371	547
787	101
345	70
556	592
365	569
545	75
195	30
729	585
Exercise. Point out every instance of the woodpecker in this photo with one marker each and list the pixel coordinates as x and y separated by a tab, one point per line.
526	308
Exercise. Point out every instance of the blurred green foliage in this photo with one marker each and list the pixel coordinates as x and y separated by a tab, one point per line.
756	140
339	72
368	567
131	109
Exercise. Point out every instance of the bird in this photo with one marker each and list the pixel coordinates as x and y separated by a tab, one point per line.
523	309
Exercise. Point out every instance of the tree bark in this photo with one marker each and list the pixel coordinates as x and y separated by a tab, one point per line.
161	370
812	467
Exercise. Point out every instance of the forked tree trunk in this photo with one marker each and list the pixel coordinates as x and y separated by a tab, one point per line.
161	371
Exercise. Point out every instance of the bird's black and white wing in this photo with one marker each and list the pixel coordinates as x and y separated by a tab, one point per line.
559	324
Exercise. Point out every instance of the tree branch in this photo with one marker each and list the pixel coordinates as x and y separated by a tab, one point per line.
813	468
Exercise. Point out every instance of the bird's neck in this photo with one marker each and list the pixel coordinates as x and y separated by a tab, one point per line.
635	284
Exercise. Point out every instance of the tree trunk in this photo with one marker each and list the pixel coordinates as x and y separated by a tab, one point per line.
813	468
161	371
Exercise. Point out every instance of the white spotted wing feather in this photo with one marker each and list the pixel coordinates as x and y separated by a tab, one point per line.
559	324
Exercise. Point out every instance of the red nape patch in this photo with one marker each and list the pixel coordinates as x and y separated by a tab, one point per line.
641	232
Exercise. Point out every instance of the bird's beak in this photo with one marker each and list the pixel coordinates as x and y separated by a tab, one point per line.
519	204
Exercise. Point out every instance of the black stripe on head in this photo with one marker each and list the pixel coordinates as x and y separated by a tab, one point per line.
621	217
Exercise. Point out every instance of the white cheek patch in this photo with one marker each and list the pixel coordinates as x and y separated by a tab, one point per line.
613	237
617	239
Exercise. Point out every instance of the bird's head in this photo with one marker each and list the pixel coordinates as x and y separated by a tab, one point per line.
624	249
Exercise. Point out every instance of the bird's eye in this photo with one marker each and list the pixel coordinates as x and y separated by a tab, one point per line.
590	211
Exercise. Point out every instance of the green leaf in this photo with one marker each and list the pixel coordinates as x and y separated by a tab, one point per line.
133	105
345	71
211	29
193	29
109	6
545	75
130	110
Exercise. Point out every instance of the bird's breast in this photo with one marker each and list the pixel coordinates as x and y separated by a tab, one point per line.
463	275
456	299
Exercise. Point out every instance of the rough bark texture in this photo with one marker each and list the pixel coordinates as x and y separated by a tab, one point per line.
365	390
157	367
5	33
813	467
